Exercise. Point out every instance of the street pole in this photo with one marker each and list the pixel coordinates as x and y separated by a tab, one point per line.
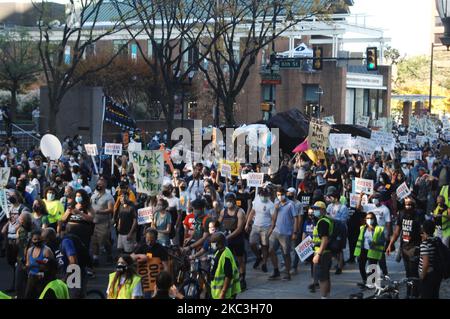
182	105
272	85
431	78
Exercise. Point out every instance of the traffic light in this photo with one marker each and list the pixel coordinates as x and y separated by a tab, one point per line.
372	59
317	58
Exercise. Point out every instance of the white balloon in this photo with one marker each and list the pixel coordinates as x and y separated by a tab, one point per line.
51	147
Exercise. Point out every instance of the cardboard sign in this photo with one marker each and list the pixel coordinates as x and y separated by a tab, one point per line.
149	271
363	145
134	147
91	149
363	121
410	156
255	179
403	191
234	166
363	185
354	198
4	176
148	171
305	249
113	149
318	135
403	139
145	215
225	170
340	141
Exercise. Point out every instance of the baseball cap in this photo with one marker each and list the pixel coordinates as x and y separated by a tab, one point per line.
320	204
291	190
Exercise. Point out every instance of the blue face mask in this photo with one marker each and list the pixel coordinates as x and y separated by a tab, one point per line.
78	199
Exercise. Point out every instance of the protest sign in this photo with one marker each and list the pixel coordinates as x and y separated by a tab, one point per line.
145	215
149	171
91	149
354	198
363	121
340	141
225	170
329	119
403	191
403	139
134	147
383	140
363	185
255	179
234	166
51	147
4	176
409	156
113	149
305	249
4	203
148	271
363	145
318	135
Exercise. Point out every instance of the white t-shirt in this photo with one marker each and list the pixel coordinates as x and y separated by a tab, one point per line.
137	291
368	236
382	213
173	202
263	212
301	173
430	161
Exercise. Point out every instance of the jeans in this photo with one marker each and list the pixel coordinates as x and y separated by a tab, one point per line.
362	261
411	262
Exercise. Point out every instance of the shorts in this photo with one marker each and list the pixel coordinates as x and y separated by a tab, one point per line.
125	244
276	240
237	247
259	235
322	269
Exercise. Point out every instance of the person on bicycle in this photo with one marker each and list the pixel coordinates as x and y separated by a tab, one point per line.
200	230
370	245
225	283
213	227
408	227
124	283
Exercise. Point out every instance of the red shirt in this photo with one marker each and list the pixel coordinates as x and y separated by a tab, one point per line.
189	223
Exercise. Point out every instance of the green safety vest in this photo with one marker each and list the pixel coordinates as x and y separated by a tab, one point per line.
219	277
4	296
316	239
378	238
126	291
445	217
59	287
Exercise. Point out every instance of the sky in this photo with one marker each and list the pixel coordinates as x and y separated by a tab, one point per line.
407	22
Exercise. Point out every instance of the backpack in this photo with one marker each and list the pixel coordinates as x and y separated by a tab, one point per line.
338	238
443	259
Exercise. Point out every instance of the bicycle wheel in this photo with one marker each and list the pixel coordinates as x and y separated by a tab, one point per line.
94	294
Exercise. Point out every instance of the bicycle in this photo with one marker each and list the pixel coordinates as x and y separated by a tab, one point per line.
196	285
392	290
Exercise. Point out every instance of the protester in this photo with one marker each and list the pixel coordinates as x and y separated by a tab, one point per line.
429	268
124	283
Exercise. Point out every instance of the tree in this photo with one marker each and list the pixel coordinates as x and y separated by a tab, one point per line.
63	48
174	29
242	28
19	64
392	55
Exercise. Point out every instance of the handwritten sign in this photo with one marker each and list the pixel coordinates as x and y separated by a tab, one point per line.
4	204
410	156
340	141
234	166
383	140
4	176
305	249
329	119
363	121
354	198
134	147
145	215
363	185
255	179
113	149
403	191
149	171
225	170
363	145
318	135
91	149
149	271
403	139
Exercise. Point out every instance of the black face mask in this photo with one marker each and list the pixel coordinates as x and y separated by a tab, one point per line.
99	188
38	243
290	197
36	208
121	268
13	200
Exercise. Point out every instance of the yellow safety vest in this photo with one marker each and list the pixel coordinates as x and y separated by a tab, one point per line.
59	287
219	277
445	217
4	296
316	239
125	291
379	240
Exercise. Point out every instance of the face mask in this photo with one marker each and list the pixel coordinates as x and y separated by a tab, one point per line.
291	197
317	213
159	208
214	246
99	188
281	198
13	200
369	222
376	201
229	204
121	268
37	243
50	197
78	199
36	208
80	181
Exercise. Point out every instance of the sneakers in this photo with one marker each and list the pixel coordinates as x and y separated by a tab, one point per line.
275	275
286	277
264	267
257	262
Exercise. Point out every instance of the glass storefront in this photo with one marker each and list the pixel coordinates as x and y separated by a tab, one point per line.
364	102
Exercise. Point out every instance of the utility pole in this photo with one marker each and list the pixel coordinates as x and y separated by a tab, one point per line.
431	78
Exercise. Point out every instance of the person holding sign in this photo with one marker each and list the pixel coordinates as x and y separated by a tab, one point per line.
151	246
370	245
124	283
